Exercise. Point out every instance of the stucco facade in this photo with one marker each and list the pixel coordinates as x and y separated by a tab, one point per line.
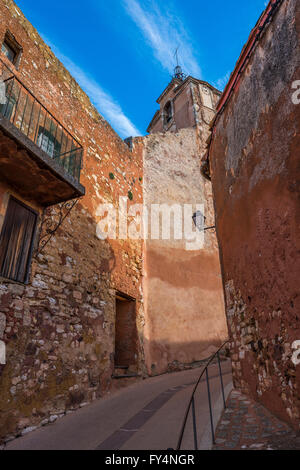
254	157
184	304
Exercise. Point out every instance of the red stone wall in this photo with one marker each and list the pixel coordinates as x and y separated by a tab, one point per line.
60	328
255	175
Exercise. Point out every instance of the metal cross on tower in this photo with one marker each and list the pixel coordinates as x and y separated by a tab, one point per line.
178	73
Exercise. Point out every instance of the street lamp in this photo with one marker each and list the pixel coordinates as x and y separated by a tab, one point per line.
199	221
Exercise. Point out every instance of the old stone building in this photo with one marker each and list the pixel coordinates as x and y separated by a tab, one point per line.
254	159
77	311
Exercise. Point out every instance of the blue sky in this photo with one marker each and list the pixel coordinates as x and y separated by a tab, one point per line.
122	51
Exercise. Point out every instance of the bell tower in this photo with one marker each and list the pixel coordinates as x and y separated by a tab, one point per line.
182	102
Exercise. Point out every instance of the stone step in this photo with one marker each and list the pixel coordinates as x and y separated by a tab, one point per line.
121	370
125	376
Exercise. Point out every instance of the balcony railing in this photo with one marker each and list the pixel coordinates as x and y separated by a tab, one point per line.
25	112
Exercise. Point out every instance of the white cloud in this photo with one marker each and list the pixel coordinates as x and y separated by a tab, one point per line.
222	82
164	32
103	101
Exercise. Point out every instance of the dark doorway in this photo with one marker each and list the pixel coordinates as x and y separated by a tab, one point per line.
126	333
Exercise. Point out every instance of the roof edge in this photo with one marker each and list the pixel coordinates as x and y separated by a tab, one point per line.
246	51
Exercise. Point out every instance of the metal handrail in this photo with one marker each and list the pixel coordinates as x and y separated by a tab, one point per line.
192	401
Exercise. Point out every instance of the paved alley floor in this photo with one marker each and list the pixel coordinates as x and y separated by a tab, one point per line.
144	416
247	425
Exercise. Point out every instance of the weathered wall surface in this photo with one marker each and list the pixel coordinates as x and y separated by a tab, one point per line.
255	166
59	329
184	306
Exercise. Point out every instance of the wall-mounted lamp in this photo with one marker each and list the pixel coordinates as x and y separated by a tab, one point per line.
199	221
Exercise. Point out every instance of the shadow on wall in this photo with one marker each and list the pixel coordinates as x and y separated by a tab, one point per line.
167	356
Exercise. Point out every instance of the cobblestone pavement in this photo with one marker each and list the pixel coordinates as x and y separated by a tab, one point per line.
247	425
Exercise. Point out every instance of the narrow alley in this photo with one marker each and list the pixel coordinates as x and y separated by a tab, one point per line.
137	259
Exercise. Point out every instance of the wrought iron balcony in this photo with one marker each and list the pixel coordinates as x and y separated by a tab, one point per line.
29	120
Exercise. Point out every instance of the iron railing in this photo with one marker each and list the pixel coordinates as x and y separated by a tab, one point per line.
191	406
26	113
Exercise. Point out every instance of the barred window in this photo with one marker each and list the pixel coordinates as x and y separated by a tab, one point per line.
11	48
47	142
16	241
9	52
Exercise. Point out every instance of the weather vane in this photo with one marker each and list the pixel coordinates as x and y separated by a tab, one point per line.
178	73
176	55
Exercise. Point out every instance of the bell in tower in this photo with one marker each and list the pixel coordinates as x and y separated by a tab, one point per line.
178	73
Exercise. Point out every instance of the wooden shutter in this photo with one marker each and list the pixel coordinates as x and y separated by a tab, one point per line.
16	241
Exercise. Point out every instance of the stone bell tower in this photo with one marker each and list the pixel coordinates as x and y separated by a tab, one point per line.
184	103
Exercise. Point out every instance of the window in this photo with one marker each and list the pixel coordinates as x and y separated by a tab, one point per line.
16	241
8	99
9	52
168	112
47	142
11	48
